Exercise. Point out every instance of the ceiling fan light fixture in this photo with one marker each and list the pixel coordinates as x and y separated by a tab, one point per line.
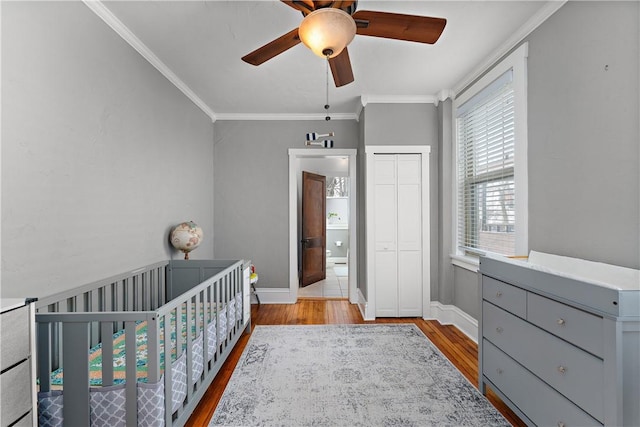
327	31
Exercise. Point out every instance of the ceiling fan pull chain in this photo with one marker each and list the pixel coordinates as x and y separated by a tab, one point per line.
326	106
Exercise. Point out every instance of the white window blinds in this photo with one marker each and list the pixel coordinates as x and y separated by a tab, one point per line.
485	170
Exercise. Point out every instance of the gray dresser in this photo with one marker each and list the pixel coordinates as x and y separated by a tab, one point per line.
558	349
17	378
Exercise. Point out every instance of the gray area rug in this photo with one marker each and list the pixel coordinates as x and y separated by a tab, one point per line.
349	375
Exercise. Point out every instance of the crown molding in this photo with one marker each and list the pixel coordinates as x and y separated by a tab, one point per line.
112	21
317	116
534	22
394	99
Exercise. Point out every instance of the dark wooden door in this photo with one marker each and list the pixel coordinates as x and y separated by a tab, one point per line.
313	243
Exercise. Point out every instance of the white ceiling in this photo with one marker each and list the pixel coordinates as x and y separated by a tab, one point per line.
201	43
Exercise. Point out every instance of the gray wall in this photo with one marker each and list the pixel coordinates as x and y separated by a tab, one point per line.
445	204
583	133
584	158
252	189
411	124
101	155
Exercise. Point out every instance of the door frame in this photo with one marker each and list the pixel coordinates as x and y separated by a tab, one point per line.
370	152
295	154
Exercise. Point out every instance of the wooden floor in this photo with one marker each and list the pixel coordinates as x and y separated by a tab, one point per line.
455	345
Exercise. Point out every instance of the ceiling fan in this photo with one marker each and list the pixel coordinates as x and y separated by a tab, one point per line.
329	26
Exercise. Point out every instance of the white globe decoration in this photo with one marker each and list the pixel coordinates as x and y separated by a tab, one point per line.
186	237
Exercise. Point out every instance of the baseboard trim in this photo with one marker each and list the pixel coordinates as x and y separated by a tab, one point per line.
443	313
274	296
364	307
452	315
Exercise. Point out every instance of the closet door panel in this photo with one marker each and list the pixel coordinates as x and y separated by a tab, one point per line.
385	219
386	282
385	165
409	213
409	166
409	283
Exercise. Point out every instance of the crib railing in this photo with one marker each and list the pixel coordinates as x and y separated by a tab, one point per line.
143	289
71	323
75	328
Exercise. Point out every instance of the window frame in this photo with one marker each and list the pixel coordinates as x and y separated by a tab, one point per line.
516	61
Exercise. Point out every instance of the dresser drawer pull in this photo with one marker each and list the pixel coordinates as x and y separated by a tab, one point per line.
498	294
561	322
499	371
562	369
499	330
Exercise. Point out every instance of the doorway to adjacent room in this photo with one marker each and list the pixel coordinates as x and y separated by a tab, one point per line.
339	168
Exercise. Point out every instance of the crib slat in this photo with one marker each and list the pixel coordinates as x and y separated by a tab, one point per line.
44	355
153	350
162	294
107	295
189	339
94	305
128	294
131	368
178	328
153	290
75	341
168	391
106	328
137	289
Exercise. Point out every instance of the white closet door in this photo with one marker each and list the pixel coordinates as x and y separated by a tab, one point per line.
386	264
409	214
398	235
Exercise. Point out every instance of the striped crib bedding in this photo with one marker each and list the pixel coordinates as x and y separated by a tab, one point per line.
105	401
226	319
109	335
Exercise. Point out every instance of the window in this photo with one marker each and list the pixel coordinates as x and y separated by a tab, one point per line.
490	132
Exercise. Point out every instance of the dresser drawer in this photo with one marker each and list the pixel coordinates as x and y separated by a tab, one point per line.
542	404
16	392
506	296
15	337
573	372
576	326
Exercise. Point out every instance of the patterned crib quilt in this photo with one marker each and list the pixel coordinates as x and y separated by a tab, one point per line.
226	320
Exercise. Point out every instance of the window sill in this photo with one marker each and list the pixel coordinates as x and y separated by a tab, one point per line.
466	262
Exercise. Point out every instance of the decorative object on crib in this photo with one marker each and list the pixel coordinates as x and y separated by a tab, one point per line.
186	237
314	139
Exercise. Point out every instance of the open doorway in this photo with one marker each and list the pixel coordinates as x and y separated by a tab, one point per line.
335	222
339	166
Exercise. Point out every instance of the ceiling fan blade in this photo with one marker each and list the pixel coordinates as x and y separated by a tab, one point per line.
341	68
274	48
421	29
304	6
342	4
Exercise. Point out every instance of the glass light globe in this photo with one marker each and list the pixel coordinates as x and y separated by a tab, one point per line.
327	31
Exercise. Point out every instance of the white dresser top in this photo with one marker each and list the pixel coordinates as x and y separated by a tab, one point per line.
606	288
7	304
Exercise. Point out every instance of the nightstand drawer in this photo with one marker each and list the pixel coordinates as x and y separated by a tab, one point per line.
16	393
15	336
576	326
575	373
508	297
542	404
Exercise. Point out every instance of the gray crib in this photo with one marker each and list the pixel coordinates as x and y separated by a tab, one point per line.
139	348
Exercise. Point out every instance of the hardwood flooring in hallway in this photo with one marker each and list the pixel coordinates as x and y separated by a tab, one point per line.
455	345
